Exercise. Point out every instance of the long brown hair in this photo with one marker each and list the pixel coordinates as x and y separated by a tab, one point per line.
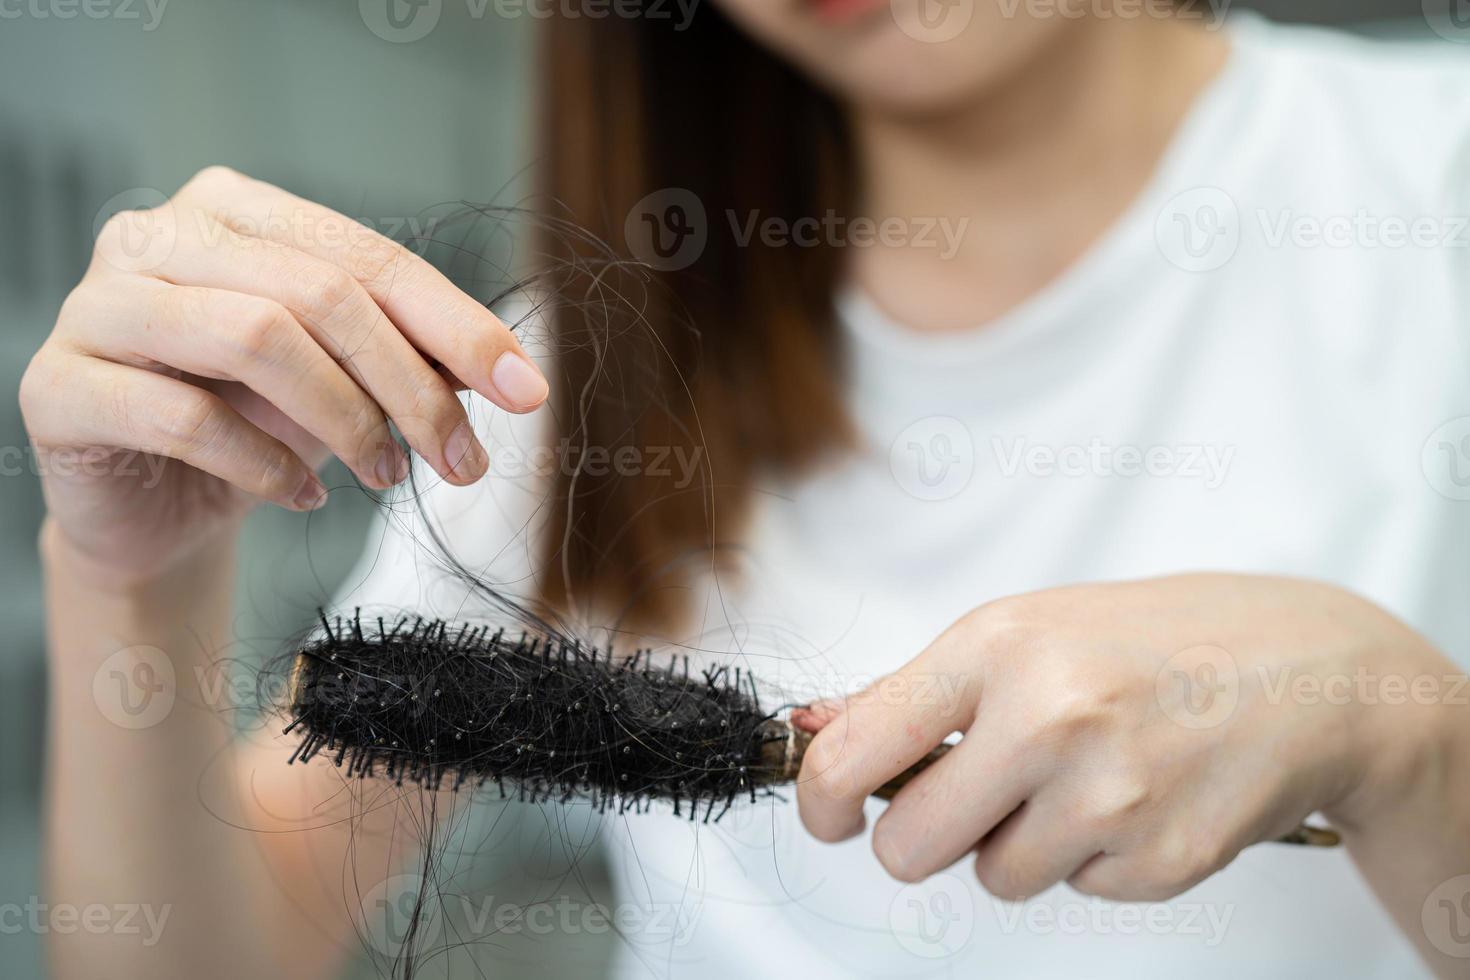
733	357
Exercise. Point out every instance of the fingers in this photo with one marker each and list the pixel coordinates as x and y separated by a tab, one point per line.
945	810
1037	846
435	315
255	341
1154	869
339	315
130	408
879	734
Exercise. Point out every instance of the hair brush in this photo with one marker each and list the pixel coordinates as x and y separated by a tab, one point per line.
434	704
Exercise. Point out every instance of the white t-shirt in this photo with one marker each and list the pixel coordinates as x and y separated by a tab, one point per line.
1264	366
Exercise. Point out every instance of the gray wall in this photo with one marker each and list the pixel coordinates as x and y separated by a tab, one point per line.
304	95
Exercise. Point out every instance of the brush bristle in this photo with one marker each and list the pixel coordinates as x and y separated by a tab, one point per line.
448	706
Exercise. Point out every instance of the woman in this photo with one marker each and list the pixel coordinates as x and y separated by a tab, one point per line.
1152	297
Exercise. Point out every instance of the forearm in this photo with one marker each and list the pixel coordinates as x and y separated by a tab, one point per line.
132	812
1408	826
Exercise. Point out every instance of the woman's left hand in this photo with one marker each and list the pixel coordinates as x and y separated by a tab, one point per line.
1132	738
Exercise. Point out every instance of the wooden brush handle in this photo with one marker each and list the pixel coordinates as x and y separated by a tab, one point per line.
796	742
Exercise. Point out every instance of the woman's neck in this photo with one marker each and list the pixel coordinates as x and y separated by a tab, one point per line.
1019	183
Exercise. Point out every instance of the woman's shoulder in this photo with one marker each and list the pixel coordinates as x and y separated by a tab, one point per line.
1387	110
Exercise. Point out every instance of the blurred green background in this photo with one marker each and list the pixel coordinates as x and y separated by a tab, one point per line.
307	96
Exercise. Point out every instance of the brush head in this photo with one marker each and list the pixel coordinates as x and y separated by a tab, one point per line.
445	706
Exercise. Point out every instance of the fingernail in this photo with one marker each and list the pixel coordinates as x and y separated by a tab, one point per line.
464	454
518	381
311	495
392	465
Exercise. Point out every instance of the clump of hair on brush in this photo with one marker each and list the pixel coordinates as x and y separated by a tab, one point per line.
542	718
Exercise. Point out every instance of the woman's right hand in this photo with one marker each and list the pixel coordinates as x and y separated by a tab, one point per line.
222	345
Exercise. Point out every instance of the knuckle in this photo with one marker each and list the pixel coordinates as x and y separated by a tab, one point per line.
1001	875
214	178
827	767
77	307
35	387
324	291
1120	800
376	260
260	331
122	227
368	430
1179	862
1073	711
280	475
1006	624
437	407
189	424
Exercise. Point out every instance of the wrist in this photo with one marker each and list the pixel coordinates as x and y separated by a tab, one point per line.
1407	736
68	564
